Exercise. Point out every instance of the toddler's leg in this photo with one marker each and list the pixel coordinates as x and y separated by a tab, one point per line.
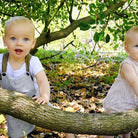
126	135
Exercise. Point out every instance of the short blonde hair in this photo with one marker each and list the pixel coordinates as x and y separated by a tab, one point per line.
128	36
18	19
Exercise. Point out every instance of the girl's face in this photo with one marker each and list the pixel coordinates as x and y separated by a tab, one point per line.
132	47
19	40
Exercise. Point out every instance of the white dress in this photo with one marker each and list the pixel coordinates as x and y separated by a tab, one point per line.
121	96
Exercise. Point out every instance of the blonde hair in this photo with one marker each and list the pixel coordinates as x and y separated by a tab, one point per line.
18	19
129	35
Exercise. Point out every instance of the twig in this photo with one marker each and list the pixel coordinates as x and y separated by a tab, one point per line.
97	63
10	15
58	52
79	12
124	15
61	4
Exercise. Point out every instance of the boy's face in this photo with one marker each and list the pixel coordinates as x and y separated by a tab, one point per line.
19	40
132	47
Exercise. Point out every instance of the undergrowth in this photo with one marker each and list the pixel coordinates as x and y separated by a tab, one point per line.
57	63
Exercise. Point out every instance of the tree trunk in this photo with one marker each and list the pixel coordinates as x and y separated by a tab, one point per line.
23	107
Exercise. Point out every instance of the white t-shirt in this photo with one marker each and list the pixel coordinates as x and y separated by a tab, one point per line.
34	68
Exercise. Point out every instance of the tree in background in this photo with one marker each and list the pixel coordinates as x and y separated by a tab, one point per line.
109	19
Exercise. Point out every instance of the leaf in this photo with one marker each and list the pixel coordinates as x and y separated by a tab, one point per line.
93	17
96	37
101	35
70	109
2	119
92	5
107	38
84	26
116	46
92	22
92	8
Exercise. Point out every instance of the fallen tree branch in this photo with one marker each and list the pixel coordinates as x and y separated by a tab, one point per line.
23	107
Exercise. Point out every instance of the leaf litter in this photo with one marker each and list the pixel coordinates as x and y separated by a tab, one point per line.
76	88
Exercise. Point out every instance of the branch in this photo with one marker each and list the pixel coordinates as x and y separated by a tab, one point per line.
115	6
47	16
70	11
128	5
42	39
7	14
24	108
122	14
58	52
79	11
10	15
61	4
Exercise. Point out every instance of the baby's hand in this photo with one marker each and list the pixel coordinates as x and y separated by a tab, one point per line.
41	100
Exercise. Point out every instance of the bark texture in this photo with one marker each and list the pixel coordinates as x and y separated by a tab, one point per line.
23	107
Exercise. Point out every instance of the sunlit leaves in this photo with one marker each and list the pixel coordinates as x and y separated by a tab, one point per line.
101	36
101	12
92	7
123	20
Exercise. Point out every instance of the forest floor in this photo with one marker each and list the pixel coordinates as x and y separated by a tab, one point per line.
77	88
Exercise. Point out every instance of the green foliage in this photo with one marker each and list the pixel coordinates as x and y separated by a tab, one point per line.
47	12
67	56
107	38
59	67
3	50
114	24
109	19
98	36
84	26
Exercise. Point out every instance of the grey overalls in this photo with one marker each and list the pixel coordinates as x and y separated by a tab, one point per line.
25	85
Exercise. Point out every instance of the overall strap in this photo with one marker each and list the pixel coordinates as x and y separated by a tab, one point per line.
5	60
27	61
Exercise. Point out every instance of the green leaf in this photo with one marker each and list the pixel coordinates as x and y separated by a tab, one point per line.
92	6
115	47
84	26
107	38
92	22
93	17
96	37
101	35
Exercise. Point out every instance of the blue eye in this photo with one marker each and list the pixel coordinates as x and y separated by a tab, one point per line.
13	38
26	39
136	45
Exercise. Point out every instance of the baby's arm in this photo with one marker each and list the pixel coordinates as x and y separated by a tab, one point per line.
129	74
44	88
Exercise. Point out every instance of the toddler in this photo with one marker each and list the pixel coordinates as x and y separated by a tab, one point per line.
123	94
20	71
